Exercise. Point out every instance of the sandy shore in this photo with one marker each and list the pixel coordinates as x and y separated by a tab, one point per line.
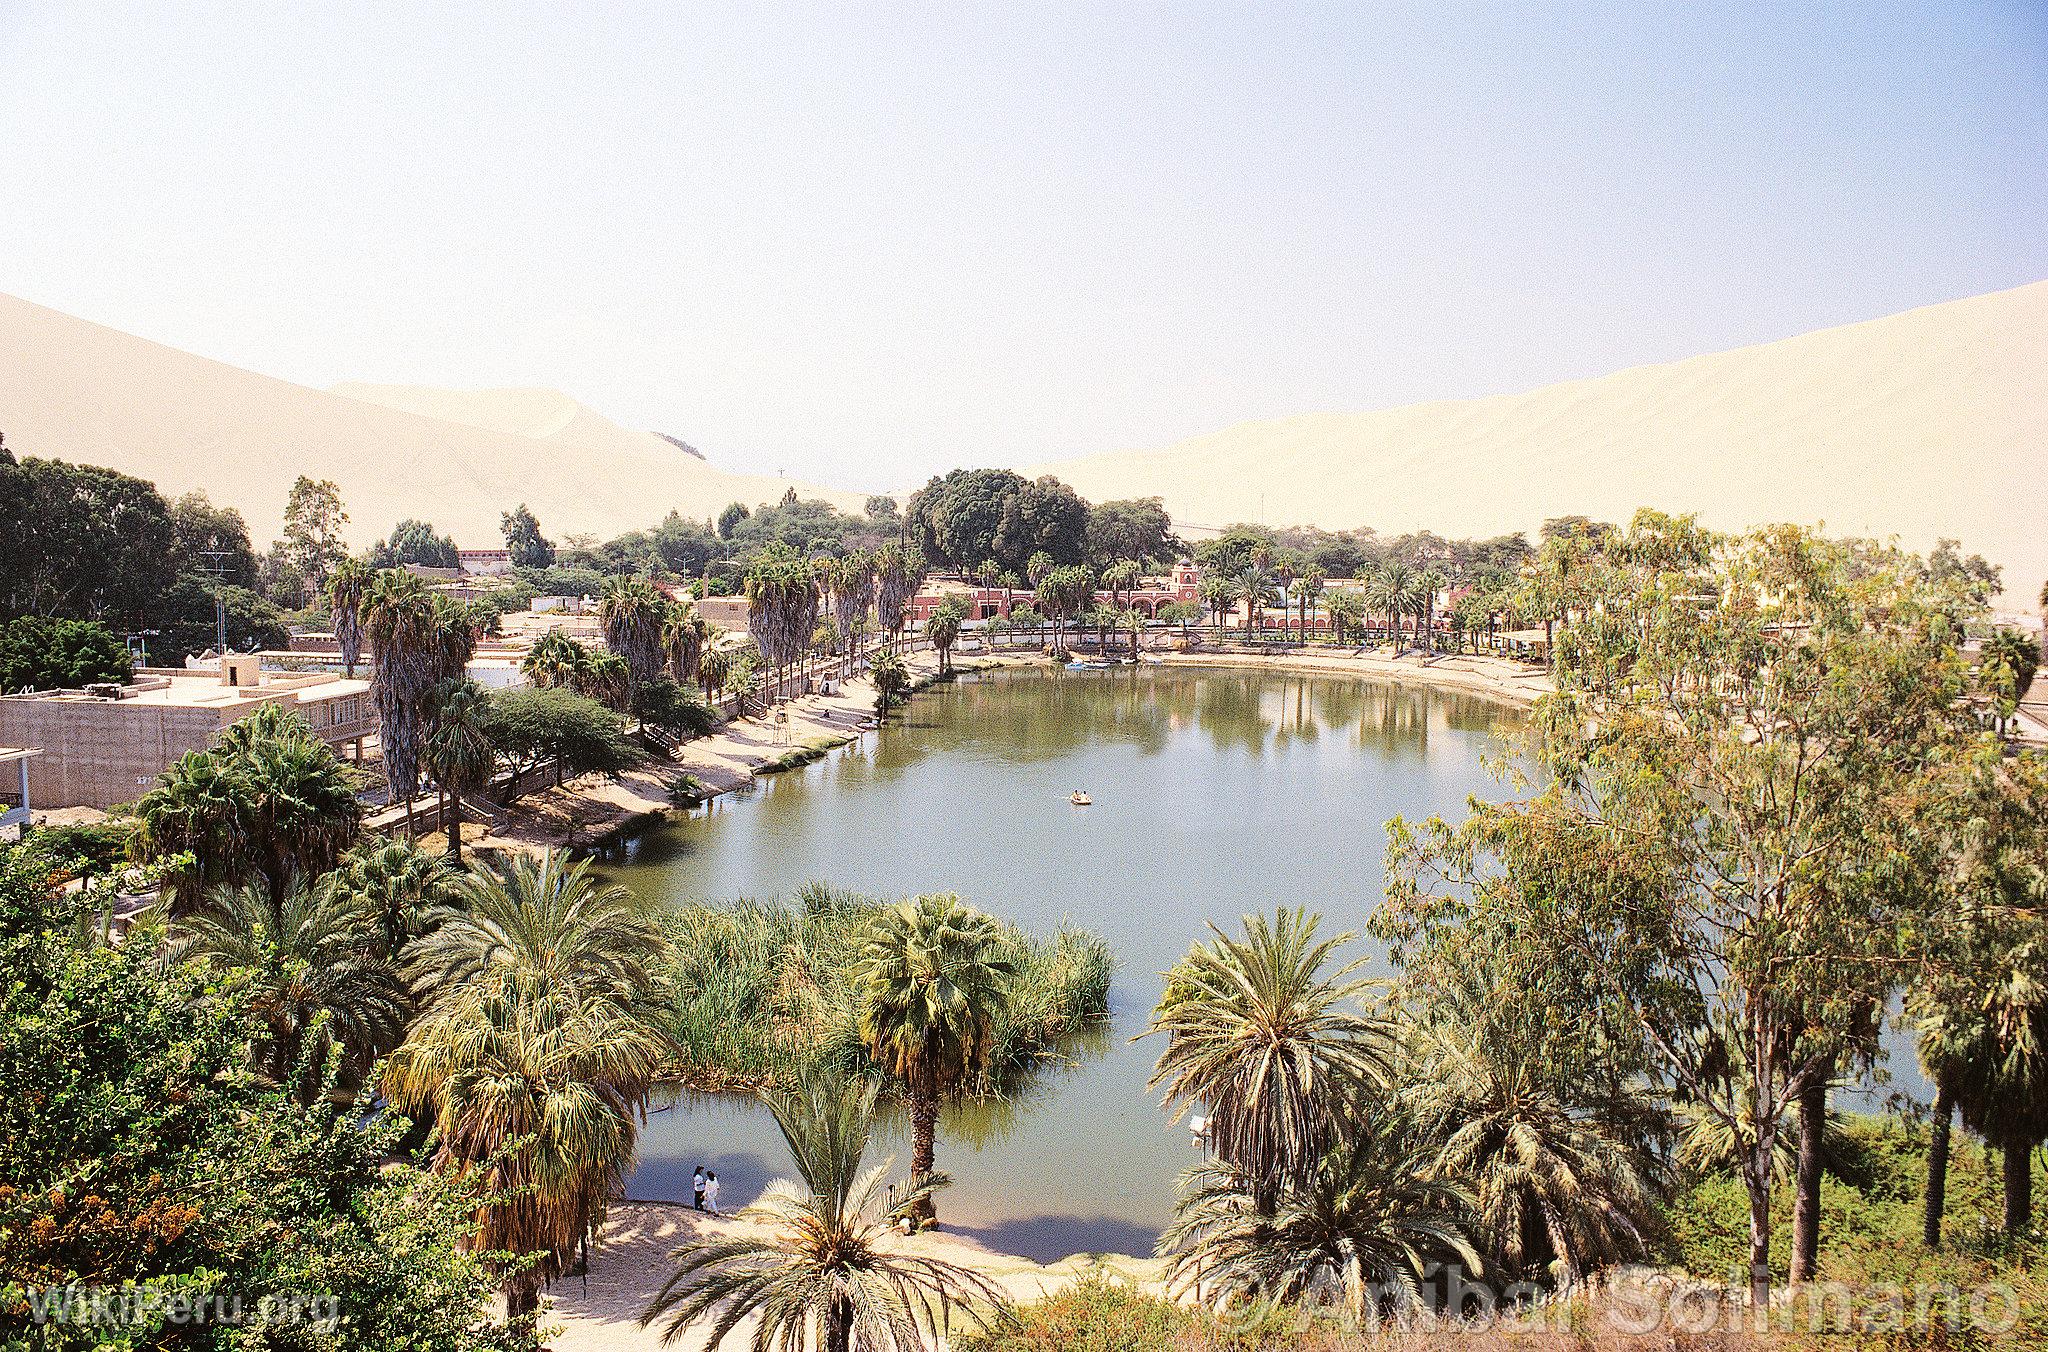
601	1312
1496	677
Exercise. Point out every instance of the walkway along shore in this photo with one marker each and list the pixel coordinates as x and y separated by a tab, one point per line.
588	811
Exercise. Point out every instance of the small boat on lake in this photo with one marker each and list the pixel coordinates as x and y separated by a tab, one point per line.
1079	799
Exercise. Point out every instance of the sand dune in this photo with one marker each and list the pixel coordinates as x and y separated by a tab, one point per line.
1924	424
78	391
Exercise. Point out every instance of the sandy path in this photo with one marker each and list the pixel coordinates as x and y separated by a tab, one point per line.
601	1313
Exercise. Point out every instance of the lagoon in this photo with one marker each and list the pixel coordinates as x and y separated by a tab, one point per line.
1216	792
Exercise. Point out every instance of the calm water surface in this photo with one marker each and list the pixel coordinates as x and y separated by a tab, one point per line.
1216	793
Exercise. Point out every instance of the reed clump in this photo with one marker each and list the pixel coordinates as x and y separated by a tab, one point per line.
764	991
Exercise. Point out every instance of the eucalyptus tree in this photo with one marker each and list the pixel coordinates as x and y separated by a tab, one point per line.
345	590
1738	830
820	1269
899	572
541	1037
632	613
1266	1033
932	977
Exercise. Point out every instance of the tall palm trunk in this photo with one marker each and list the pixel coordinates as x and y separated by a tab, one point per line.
839	1325
2019	1187
451	822
924	1134
1813	1111
1934	1200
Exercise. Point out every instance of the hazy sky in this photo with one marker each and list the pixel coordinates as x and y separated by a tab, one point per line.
864	242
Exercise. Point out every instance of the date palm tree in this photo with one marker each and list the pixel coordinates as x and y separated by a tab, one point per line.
1309	588
197	808
555	659
1391	590
683	633
308	973
891	678
932	979
541	1035
1553	1177
418	641
458	754
1257	1032
943	629
1358	1233
827	1274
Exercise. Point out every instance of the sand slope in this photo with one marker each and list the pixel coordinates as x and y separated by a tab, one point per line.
78	391
1924	424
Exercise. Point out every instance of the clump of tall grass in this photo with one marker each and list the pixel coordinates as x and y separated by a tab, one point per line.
765	990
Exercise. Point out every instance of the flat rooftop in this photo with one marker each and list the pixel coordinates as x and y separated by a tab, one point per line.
203	690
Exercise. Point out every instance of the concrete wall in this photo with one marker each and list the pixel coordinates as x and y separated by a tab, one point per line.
97	753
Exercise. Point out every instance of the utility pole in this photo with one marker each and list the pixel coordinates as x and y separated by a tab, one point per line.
217	569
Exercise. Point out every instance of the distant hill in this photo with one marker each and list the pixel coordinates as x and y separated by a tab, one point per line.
1924	424
74	390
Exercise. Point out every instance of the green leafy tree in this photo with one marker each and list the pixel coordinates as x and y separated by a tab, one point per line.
933	975
1738	832
82	542
211	541
578	734
415	542
528	547
824	1273
975	514
1132	528
45	654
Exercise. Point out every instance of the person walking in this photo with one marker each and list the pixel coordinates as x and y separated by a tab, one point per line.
697	1188
711	1193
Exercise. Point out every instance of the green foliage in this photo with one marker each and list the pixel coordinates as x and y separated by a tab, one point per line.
211	541
667	705
581	735
529	548
766	990
81	541
416	542
45	654
976	514
134	1149
186	622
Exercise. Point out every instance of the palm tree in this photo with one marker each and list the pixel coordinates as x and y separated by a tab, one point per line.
1310	588
198	809
1254	587
399	886
555	659
300	806
1988	1055
542	1034
346	586
1216	593
309	977
1553	1179
1359	1233
633	614
1255	1031
458	754
417	642
932	979
943	629
1428	583
826	1275
1391	590
891	676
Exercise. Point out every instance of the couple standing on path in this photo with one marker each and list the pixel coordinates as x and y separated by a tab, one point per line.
704	1186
